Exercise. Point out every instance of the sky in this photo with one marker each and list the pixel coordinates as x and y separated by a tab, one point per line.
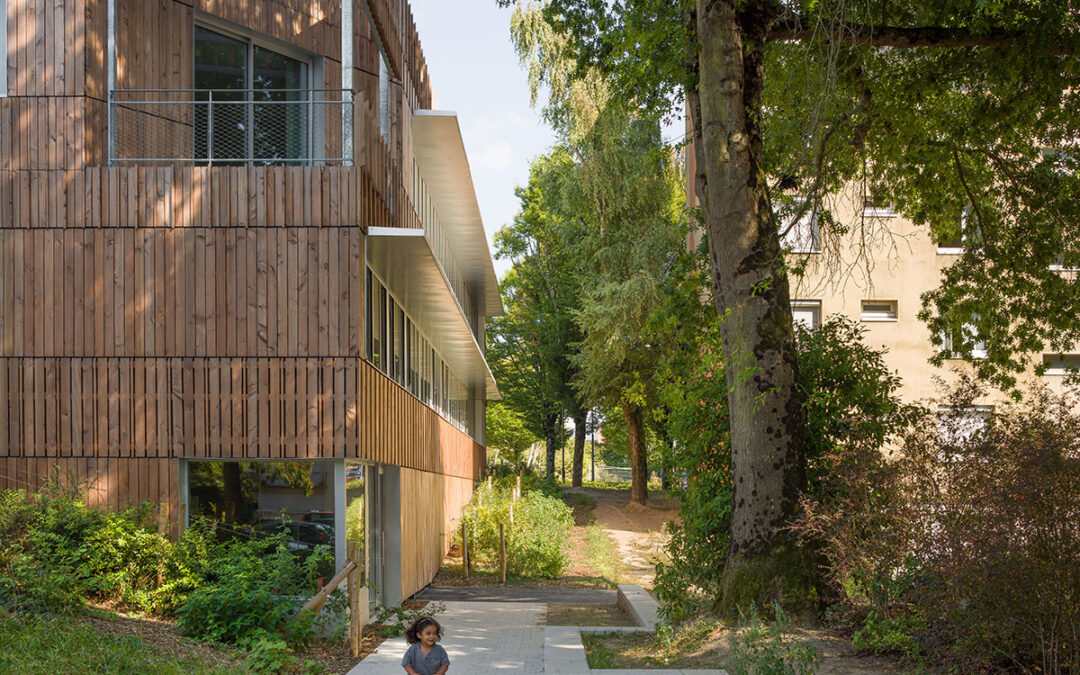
475	72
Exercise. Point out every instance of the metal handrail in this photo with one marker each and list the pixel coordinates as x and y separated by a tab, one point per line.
142	120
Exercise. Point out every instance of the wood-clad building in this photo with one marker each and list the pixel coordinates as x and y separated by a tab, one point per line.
234	231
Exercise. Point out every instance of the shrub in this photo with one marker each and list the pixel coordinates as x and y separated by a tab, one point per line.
539	536
966	544
536	542
253	588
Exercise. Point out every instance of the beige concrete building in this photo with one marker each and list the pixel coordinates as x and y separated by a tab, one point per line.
876	274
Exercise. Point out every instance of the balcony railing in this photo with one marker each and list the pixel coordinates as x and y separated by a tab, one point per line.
234	126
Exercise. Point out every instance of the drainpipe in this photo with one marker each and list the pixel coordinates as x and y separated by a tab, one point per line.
110	64
347	81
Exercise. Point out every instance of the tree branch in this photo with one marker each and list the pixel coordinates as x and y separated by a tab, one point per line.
797	28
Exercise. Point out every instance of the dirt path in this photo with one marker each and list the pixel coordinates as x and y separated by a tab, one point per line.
638	533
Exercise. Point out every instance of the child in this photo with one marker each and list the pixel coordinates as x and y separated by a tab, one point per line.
424	657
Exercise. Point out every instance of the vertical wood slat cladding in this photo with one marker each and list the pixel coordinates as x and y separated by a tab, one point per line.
430	506
271	408
184	196
110	482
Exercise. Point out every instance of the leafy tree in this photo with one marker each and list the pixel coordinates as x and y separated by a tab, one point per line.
530	346
940	108
506	431
625	195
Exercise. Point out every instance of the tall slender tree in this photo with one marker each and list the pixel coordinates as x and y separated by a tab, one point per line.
531	346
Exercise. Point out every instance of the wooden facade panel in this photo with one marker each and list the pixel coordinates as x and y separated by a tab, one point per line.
110	482
184	197
157	292
431	505
274	408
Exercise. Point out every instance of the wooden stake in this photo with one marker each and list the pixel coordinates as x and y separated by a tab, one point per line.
464	551
319	599
502	554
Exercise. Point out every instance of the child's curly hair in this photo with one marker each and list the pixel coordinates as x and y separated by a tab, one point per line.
412	633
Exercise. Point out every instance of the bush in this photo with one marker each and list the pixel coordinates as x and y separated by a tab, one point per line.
536	542
253	589
968	541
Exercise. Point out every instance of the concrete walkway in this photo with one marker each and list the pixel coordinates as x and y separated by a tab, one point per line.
500	638
481	638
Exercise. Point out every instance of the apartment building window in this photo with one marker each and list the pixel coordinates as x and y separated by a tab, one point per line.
384	97
874	208
954	245
801	234
806	312
256	98
878	310
956	425
1061	364
963	334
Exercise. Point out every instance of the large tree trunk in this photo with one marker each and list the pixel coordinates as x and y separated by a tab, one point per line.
580	424
639	468
751	291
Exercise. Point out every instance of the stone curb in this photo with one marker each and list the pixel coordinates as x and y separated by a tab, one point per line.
641	607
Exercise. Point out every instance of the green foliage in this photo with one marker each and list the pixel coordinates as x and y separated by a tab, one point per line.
536	542
57	552
54	644
254	588
882	634
852	411
964	545
507	432
759	648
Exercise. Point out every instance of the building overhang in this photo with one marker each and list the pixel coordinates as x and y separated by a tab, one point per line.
440	151
404	260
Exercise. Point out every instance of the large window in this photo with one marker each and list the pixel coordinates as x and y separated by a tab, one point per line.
256	100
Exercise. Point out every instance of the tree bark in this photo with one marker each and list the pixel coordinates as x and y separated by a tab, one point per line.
552	437
639	469
580	423
231	490
751	290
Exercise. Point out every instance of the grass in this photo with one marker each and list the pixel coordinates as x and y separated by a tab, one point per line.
601	554
47	645
667	649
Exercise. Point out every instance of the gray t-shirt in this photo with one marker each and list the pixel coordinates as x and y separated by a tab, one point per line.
425	665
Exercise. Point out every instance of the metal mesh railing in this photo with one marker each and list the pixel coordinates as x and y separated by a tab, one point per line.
234	126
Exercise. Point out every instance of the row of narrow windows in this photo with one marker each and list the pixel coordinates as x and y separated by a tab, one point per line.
395	345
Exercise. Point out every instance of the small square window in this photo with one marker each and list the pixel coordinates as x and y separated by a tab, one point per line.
964	333
878	209
1061	364
806	312
878	310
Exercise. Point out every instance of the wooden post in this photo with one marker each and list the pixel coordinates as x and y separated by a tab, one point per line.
502	554
464	550
357	601
517	490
